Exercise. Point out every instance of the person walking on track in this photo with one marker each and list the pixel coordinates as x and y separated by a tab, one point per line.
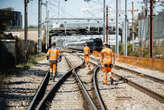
86	55
106	61
53	55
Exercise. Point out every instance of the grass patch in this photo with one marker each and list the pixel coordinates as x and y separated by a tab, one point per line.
32	60
2	77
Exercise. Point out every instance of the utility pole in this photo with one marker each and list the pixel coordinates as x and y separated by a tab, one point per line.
132	11
107	29
151	27
117	29
47	31
132	26
104	28
125	53
39	24
25	28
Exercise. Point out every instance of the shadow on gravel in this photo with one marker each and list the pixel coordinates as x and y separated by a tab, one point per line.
20	90
42	64
16	94
28	72
59	74
15	97
3	104
16	90
18	82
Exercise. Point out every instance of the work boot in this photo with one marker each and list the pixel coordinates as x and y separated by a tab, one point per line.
111	80
53	78
51	75
89	67
105	82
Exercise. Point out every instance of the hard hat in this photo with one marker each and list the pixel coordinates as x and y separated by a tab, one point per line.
53	43
105	43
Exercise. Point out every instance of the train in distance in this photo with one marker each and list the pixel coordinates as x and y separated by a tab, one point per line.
95	44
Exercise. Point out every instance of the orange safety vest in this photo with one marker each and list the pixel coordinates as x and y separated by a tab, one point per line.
53	53
86	50
107	55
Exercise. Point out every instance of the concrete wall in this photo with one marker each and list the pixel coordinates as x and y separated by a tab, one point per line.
32	35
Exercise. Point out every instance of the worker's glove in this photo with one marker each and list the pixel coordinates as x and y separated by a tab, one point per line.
60	58
111	65
47	57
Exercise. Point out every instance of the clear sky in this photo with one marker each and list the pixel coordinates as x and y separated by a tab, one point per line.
71	8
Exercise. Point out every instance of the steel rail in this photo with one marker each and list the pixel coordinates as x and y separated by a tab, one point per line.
143	89
83	87
39	94
141	74
98	95
137	73
44	103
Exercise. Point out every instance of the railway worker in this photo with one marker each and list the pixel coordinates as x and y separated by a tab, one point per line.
106	61
86	55
53	55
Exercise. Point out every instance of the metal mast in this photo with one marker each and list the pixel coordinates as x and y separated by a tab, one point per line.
47	31
25	28
104	27
132	25
107	29
117	29
151	27
125	53
39	24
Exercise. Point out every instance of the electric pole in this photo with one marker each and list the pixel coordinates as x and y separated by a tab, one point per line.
107	29
104	28
151	27
25	28
47	31
125	53
117	29
132	26
39	24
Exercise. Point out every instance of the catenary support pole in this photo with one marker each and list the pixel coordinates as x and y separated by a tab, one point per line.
117	29
25	28
47	33
125	53
39	25
151	27
132	26
107	29
104	27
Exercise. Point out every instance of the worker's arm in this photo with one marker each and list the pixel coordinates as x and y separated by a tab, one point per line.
89	51
102	56
48	54
112	56
60	55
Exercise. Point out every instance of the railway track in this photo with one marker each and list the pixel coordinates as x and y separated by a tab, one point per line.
135	72
140	74
149	85
88	91
48	101
89	79
43	90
